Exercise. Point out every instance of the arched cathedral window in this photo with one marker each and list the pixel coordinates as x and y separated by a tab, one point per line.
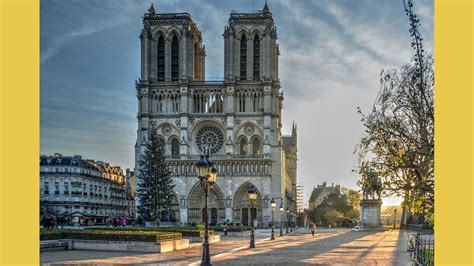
256	147
256	102
241	102
161	59
174	148
243	147
161	145
160	103
243	58
174	59
256	58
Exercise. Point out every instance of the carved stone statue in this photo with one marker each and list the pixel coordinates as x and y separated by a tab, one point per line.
371	186
371	202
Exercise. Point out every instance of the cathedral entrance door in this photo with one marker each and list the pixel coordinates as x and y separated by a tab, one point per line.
245	216
213	216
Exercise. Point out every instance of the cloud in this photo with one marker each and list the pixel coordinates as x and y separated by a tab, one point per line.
99	18
331	55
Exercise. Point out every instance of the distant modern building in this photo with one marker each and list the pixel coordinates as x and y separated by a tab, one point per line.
299	198
321	192
84	191
290	154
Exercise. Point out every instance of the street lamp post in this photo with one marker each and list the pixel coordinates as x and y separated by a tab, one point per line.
273	204
294	221
252	193
207	173
287	212
281	219
291	222
394	217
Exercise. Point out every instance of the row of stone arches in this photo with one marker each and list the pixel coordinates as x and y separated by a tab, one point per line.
217	203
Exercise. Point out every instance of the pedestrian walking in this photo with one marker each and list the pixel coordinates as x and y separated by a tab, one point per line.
226	227
313	228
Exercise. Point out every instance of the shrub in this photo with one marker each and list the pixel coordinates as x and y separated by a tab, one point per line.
112	235
185	231
231	228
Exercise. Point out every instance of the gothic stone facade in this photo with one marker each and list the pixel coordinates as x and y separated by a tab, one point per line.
237	120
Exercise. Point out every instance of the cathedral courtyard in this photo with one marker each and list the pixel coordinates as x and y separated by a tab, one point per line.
334	247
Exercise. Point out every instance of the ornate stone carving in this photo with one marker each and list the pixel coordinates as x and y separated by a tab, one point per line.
178	122
238	122
166	130
209	139
249	129
259	122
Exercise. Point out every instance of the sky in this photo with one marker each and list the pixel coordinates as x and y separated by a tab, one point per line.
332	53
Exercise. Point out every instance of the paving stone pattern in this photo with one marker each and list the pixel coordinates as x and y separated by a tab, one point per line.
328	247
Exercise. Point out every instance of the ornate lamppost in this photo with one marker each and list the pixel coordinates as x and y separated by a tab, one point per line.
287	212
291	221
394	218
281	219
252	193
207	173
273	204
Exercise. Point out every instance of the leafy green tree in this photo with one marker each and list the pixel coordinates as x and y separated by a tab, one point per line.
353	198
398	143
155	193
333	202
333	216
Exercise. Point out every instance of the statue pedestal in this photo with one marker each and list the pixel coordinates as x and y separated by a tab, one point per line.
370	215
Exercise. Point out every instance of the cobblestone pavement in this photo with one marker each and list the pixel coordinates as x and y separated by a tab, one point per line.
328	247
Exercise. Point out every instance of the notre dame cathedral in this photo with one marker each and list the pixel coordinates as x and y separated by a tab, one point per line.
237	120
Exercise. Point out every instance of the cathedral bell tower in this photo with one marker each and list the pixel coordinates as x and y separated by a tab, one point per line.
171	48
251	51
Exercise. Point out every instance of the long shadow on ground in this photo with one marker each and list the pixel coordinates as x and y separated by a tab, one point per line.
291	251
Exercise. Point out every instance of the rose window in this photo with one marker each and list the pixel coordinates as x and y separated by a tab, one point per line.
209	139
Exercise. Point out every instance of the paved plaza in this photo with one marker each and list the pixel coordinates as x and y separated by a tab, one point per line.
328	247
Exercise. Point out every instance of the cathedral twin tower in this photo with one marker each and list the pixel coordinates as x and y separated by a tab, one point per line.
237	121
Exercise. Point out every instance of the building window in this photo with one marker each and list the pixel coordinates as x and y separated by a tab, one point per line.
46	187
160	103
243	58
175	103
256	58
56	187
256	147
161	59
256	102
174	59
66	188
161	145
175	148
243	147
242	102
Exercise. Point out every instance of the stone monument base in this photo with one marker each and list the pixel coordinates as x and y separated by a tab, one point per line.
370	215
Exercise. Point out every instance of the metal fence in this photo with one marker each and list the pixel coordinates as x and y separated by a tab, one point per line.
422	249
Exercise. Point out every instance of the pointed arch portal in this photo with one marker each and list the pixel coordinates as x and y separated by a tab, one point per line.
242	208
216	208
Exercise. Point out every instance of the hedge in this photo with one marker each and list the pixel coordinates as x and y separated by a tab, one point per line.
185	231
231	228
129	235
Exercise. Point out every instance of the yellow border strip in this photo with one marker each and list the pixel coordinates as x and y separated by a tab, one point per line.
19	132
453	133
